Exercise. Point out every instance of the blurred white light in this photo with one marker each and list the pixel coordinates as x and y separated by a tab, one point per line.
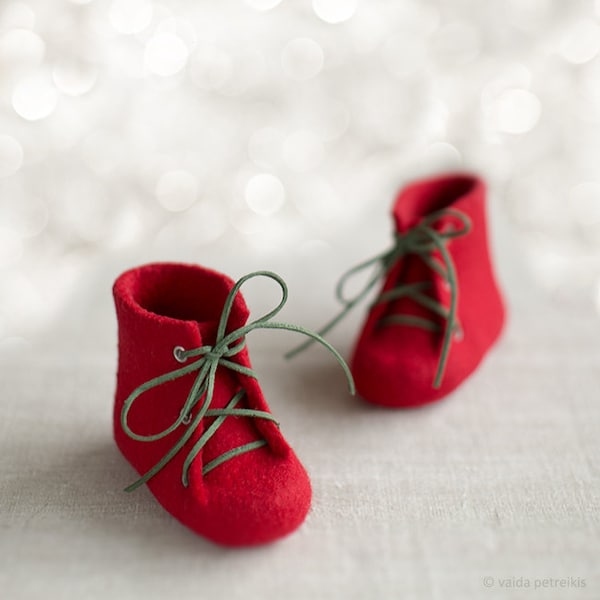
318	201
442	156
315	250
11	247
211	67
85	209
204	223
249	67
265	194
435	118
394	113
508	76
368	29
177	190
26	217
135	138
334	11
165	55
584	201
102	151
263	4
302	58
130	16
515	111
208	221
303	151
182	28
128	227
404	53
18	14
74	78
456	44
20	48
550	261
590	85
265	147
11	155
581	42
248	223
26	301
34	97
281	236
530	203
331	120
597	297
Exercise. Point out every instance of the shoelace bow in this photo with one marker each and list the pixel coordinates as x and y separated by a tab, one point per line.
421	240
209	359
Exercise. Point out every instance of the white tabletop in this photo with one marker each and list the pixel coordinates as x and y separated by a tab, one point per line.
498	481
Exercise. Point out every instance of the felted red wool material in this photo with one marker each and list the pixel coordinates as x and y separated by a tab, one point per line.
419	342
252	498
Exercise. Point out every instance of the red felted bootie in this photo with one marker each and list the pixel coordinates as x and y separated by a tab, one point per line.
189	413
439	309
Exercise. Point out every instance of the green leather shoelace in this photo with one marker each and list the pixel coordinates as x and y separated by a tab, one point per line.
208	360
422	240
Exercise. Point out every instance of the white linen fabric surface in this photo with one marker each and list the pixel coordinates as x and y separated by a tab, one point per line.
493	492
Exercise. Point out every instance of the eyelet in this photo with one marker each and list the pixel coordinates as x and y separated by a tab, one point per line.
178	353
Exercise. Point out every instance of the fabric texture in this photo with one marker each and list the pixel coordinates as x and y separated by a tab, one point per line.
252	498
395	365
499	481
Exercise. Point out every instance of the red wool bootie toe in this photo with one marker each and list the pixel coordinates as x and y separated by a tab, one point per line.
189	413
439	309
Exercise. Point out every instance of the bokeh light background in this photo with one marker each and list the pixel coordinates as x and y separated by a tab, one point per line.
274	133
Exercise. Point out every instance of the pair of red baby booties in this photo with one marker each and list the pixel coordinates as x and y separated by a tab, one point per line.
190	415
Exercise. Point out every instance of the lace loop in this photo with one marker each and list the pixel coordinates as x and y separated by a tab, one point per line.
208	360
422	240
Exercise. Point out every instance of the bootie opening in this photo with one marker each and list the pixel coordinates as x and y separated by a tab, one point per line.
182	292
423	198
